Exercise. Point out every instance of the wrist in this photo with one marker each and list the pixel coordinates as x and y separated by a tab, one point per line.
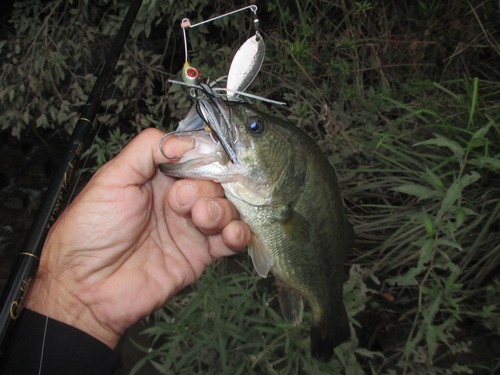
55	297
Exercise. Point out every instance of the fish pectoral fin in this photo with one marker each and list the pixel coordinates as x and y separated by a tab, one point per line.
296	226
262	259
291	303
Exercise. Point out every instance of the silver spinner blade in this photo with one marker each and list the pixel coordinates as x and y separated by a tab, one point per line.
245	66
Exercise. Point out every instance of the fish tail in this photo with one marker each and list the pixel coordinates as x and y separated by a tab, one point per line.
328	334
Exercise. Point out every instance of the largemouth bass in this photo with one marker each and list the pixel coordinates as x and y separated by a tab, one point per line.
287	192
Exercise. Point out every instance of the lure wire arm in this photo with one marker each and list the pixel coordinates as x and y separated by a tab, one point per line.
185	44
186	23
242	93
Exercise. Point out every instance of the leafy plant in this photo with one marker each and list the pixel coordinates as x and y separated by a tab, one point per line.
227	323
49	64
434	237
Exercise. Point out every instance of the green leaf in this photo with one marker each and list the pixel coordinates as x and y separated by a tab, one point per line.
487	160
430	337
409	348
425	253
418	190
445	142
222	352
433	308
450	243
42	121
489	309
373	371
439	330
429	228
191	307
474	102
450	225
467	211
469	178
406	279
451	196
479	134
460	217
434	180
26	117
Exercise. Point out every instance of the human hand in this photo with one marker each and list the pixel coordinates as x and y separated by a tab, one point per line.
131	240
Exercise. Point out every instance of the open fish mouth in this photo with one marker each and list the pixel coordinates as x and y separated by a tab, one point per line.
211	114
201	154
199	149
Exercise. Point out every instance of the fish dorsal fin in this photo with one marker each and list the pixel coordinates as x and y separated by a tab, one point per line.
262	259
296	226
291	303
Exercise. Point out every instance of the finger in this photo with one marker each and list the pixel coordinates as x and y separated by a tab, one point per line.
211	215
184	193
236	235
234	238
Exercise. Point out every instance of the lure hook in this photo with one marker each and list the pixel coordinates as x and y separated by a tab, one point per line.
161	146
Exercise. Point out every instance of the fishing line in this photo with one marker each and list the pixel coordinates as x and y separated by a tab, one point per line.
64	212
70	197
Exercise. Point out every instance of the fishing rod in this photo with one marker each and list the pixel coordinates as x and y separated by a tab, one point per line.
24	270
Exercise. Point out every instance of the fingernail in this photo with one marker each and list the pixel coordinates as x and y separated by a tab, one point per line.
239	232
213	210
185	195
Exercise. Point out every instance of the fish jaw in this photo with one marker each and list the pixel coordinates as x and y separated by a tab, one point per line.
204	160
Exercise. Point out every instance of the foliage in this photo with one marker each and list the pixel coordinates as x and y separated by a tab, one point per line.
438	246
401	96
50	60
227	324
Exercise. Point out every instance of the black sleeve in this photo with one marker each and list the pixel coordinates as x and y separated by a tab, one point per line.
67	350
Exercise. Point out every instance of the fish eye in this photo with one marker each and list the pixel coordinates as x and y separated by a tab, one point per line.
255	126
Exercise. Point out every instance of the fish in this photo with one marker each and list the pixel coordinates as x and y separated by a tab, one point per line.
287	192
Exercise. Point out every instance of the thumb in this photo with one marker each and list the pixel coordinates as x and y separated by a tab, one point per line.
137	163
